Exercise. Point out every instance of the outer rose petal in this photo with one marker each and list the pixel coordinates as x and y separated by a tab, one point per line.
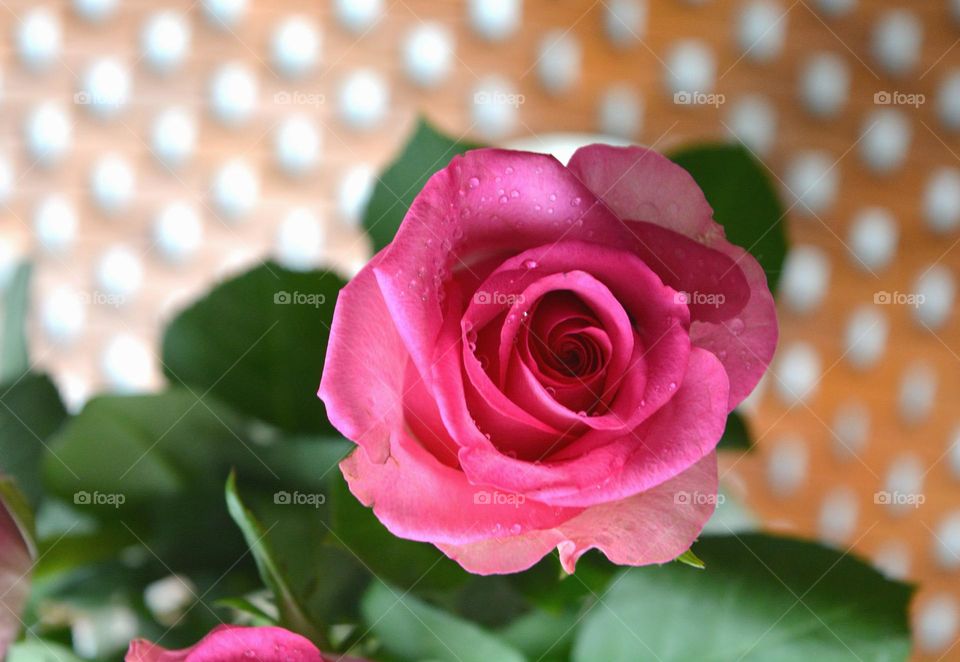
363	376
418	497
654	526
15	565
227	643
641	185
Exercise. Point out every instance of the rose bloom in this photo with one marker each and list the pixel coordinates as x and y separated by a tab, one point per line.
230	643
545	357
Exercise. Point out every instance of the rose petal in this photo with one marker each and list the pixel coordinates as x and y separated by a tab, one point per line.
228	643
655	526
15	566
419	498
640	185
363	375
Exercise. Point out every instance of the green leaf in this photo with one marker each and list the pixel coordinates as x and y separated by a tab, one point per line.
143	447
257	343
425	153
411	629
14	356
691	559
760	598
744	201
38	650
16	505
247	609
736	436
292	613
30	412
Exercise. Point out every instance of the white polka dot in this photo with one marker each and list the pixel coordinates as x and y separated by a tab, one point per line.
812	182
428	54
559	61
937	623
865	337
178	232
225	14
236	189
946	544
358	15
918	390
824	84
495	19
6	180
787	465
165	41
873	238
941	200
836	8
95	11
127	364
896	41
55	224
762	30
364	99
233	94
106	88
297	146
112	183
621	111
838	515
753	121
296	47
495	104
75	390
625	21
936	289
49	134
948	100
851	427
63	315
953	453
174	137
797	373
9	261
885	140
39	38
893	560
119	274
168	599
903	486
806	276
354	193
691	68
300	240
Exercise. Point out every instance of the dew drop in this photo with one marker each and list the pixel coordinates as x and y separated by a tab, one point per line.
474	182
504	199
530	264
553	197
516	529
736	326
509	170
575	202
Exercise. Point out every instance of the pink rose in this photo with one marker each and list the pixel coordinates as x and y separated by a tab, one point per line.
545	357
16	562
230	643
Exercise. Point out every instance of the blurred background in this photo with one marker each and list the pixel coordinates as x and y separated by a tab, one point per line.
149	149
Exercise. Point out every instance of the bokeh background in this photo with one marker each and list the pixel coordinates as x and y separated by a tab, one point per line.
149	149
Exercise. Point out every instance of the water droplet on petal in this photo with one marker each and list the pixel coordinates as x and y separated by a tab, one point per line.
474	182
530	264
